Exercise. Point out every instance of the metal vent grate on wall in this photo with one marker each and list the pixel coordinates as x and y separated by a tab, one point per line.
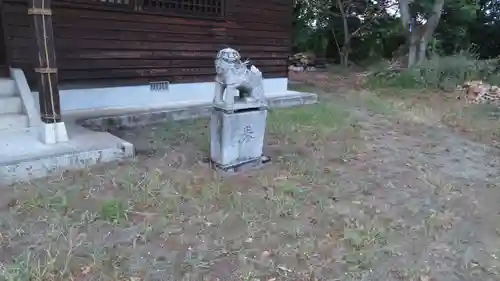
195	7
119	2
159	86
210	8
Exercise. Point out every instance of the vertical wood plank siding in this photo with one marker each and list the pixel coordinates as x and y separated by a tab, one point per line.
104	44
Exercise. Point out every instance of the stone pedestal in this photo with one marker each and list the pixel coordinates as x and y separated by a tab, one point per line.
237	136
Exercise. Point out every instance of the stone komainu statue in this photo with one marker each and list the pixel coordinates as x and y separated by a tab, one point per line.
235	80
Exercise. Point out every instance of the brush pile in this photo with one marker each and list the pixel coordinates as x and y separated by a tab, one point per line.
478	92
302	62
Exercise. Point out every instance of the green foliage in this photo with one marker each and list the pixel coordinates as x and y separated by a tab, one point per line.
325	117
394	79
448	71
113	211
438	72
462	24
305	36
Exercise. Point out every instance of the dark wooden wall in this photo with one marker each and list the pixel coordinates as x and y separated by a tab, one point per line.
3	50
99	44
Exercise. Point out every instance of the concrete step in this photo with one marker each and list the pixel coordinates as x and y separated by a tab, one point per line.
7	87
10	105
25	157
120	119
13	121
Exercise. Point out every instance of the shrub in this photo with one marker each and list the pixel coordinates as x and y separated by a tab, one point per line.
439	72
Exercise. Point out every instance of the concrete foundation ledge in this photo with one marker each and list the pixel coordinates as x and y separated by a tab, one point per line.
26	158
124	120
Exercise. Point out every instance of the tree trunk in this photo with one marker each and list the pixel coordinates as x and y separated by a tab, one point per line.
345	46
419	37
412	53
429	28
404	10
344	59
422	50
339	50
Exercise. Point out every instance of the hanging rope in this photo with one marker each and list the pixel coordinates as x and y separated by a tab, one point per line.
47	70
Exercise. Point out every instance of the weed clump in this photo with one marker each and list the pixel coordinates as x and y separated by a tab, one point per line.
438	72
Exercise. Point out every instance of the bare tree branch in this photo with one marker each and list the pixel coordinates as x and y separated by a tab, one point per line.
370	21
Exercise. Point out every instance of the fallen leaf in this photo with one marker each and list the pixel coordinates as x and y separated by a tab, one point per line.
12	203
86	270
265	255
284	268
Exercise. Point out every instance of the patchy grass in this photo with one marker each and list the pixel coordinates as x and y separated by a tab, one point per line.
166	215
478	122
430	88
354	192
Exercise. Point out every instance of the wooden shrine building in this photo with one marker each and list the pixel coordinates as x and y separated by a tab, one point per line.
138	53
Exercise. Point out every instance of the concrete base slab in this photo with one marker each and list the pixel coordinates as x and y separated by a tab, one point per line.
129	118
25	157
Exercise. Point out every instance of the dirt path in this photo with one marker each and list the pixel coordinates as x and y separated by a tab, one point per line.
428	193
438	189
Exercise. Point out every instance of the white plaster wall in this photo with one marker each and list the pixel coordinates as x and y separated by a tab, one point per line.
142	97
